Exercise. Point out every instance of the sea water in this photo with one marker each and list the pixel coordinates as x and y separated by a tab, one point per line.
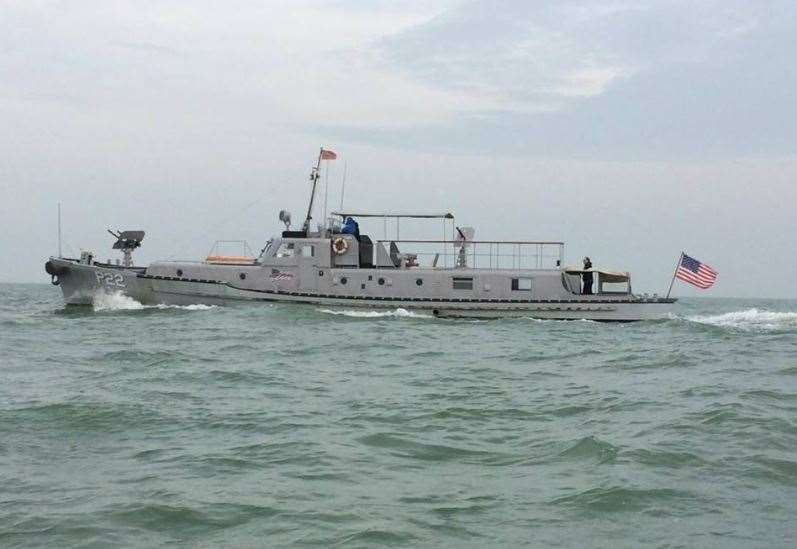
124	425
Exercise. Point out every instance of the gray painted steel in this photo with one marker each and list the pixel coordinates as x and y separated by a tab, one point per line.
307	270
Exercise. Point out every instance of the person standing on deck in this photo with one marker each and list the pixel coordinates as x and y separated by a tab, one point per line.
351	227
587	276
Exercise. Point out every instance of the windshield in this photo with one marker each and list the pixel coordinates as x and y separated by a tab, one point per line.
267	247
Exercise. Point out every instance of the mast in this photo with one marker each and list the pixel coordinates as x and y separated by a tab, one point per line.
343	185
59	231
314	178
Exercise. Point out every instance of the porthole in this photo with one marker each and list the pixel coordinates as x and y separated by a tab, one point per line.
381	281
320	273
419	281
343	280
179	272
242	276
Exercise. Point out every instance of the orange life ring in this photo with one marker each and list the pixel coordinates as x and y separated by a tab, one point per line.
340	245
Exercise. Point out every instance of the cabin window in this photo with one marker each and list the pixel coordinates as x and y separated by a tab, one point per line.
462	283
286	249
419	281
242	276
521	284
343	280
308	251
381	281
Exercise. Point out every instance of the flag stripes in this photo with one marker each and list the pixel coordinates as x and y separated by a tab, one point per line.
694	272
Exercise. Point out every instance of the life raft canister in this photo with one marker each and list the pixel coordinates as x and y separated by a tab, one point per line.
340	245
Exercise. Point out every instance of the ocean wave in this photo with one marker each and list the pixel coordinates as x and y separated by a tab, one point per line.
590	448
750	319
407	448
397	313
621	498
117	301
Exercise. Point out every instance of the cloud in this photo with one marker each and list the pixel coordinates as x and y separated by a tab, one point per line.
518	55
574	77
638	79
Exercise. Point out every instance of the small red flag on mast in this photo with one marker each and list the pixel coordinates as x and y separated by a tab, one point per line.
328	155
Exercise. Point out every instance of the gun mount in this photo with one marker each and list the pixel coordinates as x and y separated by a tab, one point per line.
127	241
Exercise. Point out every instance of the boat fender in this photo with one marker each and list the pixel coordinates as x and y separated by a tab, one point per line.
340	246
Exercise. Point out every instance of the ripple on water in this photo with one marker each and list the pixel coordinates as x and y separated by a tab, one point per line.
780	471
147	358
200	517
402	447
84	416
620	499
664	458
531	356
374	537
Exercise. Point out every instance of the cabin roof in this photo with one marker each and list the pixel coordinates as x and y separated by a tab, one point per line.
396	214
606	274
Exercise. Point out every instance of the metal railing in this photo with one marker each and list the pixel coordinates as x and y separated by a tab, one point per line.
493	254
231	247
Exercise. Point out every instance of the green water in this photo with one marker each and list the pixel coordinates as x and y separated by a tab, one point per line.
272	426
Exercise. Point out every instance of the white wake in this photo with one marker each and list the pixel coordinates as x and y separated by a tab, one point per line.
397	313
751	319
117	301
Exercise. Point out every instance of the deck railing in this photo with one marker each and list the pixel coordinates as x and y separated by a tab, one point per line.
493	254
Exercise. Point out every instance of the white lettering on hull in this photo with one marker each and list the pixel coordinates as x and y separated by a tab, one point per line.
110	279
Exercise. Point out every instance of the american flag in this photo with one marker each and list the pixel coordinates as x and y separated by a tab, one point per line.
696	273
276	274
328	155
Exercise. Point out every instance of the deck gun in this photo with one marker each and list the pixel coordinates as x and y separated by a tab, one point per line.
127	241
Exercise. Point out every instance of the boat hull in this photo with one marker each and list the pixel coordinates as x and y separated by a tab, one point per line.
82	283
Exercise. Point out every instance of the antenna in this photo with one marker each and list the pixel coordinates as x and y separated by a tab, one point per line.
59	231
326	191
343	185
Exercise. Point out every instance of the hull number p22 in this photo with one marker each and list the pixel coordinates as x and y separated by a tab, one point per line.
110	280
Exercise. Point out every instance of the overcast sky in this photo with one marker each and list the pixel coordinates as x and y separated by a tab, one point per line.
632	129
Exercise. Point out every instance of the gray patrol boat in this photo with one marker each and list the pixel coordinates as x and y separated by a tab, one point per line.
334	265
